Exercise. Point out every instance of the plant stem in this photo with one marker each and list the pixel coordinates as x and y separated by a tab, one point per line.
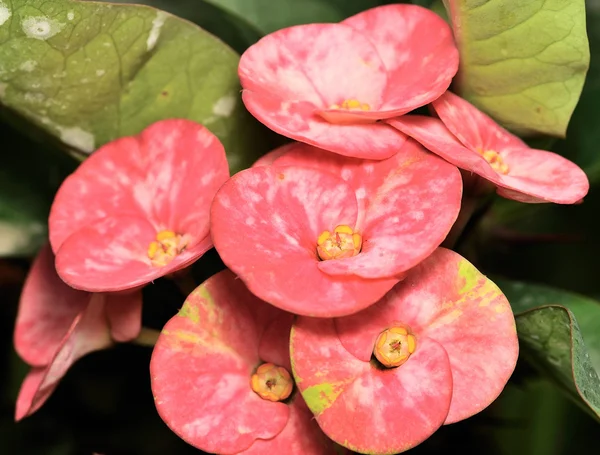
147	337
468	206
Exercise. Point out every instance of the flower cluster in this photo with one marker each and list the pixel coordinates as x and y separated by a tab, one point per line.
341	323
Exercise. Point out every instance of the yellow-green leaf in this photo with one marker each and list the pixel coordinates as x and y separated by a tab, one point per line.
523	62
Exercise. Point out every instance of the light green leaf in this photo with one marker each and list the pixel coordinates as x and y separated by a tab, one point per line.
267	18
558	333
91	72
523	62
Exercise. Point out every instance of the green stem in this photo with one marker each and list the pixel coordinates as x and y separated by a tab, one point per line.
184	280
147	337
468	206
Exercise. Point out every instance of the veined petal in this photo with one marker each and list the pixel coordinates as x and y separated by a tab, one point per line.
418	50
323	64
435	137
363	408
47	308
411	202
265	223
298	120
89	332
202	365
168	174
112	255
446	299
473	128
541	176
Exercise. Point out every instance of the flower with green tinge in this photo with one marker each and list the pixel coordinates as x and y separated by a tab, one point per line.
438	348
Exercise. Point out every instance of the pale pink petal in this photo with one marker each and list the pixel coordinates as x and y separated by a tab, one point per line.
47	309
362	407
124	313
297	120
322	64
89	332
168	174
418	50
541	176
111	255
265	222
472	127
434	136
202	365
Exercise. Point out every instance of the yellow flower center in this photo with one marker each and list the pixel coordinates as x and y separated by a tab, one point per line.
271	382
343	242
495	160
167	245
394	346
351	105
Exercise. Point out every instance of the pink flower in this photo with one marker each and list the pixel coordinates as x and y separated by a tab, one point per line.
446	344
220	376
138	208
320	234
57	325
472	141
328	84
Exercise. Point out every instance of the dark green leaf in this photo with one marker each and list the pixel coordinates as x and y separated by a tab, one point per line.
559	334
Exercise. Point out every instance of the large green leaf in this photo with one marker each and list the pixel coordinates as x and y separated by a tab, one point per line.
91	72
28	180
523	62
266	17
559	334
232	29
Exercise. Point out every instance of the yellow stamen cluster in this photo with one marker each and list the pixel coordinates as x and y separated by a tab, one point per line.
351	105
343	242
495	160
394	346
271	382
167	245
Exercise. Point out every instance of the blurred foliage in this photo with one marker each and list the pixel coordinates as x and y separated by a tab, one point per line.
105	405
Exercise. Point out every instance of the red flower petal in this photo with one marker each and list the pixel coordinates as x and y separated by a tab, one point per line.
407	205
541	176
88	332
112	255
124	313
202	364
432	133
269	158
418	50
446	299
321	64
301	436
471	126
167	175
534	175
297	120
46	311
265	222
361	407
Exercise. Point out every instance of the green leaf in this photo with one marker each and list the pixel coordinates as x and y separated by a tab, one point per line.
91	72
233	30
267	18
524	63
29	178
559	334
